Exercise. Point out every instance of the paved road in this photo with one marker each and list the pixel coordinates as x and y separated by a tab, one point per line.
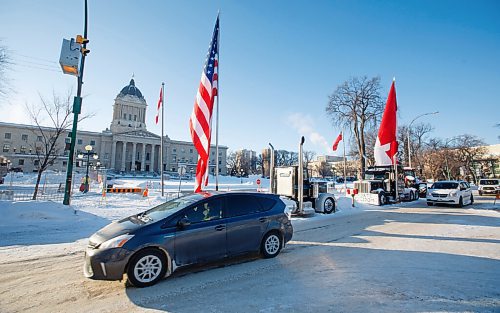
387	259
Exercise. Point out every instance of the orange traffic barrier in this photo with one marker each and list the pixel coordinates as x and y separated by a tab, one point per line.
124	190
145	192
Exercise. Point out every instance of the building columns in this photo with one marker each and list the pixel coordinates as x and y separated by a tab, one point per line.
132	166
152	159
124	155
143	163
113	155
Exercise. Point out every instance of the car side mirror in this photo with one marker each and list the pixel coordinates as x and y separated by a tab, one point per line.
183	223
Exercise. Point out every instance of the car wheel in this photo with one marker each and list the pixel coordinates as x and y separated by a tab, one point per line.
430	204
412	196
329	206
417	195
460	203
382	199
146	268
271	245
471	199
480	193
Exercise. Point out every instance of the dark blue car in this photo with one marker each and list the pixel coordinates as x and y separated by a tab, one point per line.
197	228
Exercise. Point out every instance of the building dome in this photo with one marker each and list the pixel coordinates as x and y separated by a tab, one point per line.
131	90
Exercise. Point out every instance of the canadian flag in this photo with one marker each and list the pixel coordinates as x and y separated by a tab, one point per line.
336	143
386	145
160	102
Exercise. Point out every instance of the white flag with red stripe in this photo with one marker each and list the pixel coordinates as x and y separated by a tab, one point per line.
160	103
200	123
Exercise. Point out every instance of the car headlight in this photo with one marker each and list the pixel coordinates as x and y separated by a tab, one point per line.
453	193
116	242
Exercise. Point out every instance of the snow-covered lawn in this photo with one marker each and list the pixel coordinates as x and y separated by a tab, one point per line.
39	226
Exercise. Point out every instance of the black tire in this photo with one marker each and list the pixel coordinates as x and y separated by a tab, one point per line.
382	198
471	199
329	206
146	268
430	204
417	195
412	196
271	245
460	203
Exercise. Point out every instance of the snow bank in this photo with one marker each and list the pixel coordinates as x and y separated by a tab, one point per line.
43	222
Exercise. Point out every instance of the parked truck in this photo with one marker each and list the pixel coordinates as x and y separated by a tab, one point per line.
306	196
379	186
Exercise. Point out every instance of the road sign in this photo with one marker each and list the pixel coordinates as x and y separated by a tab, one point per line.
181	170
258	181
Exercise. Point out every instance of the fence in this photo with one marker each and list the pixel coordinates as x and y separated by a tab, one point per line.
25	194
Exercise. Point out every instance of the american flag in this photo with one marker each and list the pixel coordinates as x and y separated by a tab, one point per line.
200	123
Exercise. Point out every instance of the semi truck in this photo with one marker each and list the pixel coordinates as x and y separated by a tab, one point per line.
379	186
305	196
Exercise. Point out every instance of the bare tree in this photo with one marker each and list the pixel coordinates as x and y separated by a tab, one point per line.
286	158
468	149
231	163
47	147
418	136
5	62
324	169
357	105
308	158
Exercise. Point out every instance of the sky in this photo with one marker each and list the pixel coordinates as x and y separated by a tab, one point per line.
279	61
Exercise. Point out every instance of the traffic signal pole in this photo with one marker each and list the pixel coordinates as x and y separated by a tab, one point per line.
77	108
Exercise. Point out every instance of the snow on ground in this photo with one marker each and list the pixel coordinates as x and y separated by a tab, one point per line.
35	226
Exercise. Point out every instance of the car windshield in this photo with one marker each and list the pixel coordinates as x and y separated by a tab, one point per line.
444	185
488	182
170	207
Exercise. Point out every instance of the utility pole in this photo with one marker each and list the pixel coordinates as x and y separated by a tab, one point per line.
77	108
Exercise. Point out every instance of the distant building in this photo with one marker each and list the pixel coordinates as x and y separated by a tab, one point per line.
126	146
247	160
488	166
324	165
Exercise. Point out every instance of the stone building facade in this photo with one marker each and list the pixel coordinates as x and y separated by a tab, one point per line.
126	147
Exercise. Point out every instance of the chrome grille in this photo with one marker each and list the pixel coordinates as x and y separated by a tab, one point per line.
438	195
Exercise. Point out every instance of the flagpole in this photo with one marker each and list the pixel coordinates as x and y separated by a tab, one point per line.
345	171
217	111
161	146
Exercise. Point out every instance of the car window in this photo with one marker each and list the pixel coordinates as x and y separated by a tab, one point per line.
488	182
444	185
168	208
238	205
204	211
266	203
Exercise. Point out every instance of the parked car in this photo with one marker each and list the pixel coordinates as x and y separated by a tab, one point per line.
457	193
193	229
489	186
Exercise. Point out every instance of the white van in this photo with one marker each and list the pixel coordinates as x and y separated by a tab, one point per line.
489	186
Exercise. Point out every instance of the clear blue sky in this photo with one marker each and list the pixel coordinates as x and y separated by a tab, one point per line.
279	61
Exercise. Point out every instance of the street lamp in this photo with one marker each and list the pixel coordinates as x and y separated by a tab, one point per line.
408	133
241	175
94	155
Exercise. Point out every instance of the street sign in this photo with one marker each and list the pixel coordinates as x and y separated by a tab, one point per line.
258	181
181	170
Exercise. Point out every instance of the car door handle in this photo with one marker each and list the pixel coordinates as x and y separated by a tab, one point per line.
220	227
263	219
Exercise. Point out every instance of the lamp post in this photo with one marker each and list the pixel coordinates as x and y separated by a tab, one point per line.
94	155
408	133
77	105
241	175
